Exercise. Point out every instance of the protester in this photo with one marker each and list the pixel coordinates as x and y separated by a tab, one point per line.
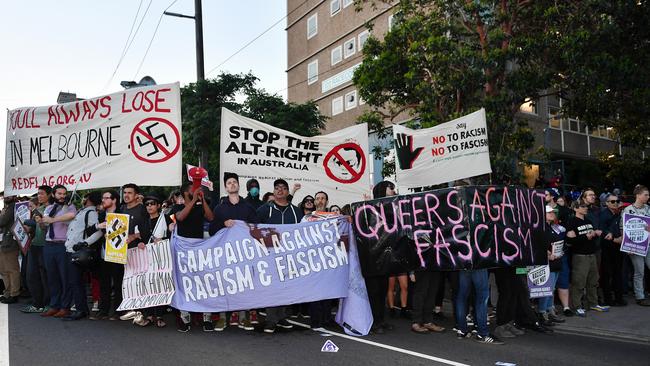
57	216
9	249
36	274
110	274
321	201
279	211
639	207
225	213
424	299
581	236
253	196
611	279
190	217
76	240
335	209
307	205
268	197
555	250
477	279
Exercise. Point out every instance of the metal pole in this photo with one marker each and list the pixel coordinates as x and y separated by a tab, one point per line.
198	23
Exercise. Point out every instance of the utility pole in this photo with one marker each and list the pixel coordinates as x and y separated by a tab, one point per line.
200	68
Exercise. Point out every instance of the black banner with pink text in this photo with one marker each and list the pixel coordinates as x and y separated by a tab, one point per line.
469	227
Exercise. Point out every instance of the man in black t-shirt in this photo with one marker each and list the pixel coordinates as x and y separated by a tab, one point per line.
581	236
189	223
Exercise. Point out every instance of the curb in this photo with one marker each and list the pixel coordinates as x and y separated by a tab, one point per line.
603	333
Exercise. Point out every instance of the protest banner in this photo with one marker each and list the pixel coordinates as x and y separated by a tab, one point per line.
635	235
96	142
432	156
335	163
254	266
539	281
21	213
117	231
470	227
148	277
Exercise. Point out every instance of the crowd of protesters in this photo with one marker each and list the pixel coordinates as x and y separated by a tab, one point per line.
66	258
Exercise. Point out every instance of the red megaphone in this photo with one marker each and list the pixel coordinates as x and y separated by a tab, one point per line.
197	174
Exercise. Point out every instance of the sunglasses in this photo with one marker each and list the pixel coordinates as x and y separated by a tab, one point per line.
309	200
614	201
107	198
150	203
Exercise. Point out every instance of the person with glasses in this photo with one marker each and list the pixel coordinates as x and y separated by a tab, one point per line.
589	197
611	280
279	211
581	236
307	205
639	207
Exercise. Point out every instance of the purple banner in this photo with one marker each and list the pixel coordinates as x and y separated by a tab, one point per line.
635	234
539	281
254	266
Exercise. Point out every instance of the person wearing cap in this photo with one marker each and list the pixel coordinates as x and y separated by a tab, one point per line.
555	251
231	208
253	196
640	207
9	249
279	211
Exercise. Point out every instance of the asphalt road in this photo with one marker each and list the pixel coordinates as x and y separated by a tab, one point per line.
37	341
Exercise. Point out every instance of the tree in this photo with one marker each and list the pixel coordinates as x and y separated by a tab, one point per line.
443	59
201	110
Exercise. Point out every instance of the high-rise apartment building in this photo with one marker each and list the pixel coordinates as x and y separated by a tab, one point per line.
325	39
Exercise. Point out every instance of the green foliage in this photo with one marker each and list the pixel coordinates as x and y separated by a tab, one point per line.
626	170
201	110
444	59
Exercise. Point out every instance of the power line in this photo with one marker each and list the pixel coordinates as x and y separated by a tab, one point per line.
129	41
257	37
152	38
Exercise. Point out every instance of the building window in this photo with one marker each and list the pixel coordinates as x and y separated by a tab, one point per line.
312	26
335	7
347	3
529	106
361	101
391	22
363	37
349	48
337	106
337	55
554	118
350	100
312	72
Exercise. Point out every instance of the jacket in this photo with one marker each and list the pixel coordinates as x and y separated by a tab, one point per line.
227	211
8	243
271	213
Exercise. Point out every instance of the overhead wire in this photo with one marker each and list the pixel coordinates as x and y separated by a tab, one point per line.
152	38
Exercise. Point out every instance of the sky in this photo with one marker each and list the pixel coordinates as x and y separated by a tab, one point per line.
75	46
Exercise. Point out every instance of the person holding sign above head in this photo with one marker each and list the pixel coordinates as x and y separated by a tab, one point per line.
9	249
639	207
581	237
57	216
225	213
189	218
279	211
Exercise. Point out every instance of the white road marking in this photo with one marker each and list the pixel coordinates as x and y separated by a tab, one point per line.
381	345
4	335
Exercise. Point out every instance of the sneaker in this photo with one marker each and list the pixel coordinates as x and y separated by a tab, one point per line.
568	312
544	320
182	326
417	328
555	319
581	312
208	326
600	308
502	332
139	318
245	324
514	329
434	327
130	315
269	328
9	300
73	308
95	306
234	318
462	335
221	324
253	317
284	324
470	320
31	309
488	339
643	302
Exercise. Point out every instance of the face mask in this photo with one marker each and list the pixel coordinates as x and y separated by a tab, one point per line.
254	191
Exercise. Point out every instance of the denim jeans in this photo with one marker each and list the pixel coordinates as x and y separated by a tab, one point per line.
639	263
57	275
478	279
546	303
